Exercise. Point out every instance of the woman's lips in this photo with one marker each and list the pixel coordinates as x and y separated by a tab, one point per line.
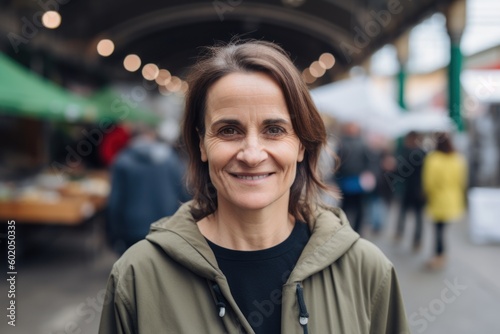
251	177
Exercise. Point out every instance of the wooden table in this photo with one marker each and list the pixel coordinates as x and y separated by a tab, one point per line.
72	206
66	211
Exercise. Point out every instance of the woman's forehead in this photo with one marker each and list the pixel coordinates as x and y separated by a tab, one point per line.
242	88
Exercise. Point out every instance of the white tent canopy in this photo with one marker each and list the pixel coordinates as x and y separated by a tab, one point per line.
425	120
358	100
483	85
354	99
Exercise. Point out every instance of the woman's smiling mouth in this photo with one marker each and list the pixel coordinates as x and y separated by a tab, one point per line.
251	177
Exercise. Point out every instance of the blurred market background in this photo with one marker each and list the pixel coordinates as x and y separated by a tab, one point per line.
79	78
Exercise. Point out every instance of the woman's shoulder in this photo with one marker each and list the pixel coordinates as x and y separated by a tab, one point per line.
366	249
368	258
139	258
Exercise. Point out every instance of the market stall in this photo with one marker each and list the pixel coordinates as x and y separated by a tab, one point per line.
31	193
54	199
37	184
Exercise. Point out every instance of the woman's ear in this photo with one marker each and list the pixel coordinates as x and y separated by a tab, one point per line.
203	151
302	151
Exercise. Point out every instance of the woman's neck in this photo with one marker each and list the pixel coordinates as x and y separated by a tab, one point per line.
238	229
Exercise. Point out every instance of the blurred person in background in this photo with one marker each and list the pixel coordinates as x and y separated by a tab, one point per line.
382	162
410	162
255	251
354	175
146	185
113	142
444	181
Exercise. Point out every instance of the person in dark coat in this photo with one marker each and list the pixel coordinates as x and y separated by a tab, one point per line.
354	175
382	162
410	164
146	185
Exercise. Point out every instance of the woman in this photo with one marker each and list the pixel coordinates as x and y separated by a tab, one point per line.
253	252
444	180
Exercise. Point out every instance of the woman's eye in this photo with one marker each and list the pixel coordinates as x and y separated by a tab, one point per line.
227	131
275	130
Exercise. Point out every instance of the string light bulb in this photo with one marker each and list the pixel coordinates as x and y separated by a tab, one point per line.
132	62
51	19
105	47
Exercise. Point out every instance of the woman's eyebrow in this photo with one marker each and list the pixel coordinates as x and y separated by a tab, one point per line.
273	121
226	121
232	121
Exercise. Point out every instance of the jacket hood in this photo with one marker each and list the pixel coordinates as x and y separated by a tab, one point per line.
149	151
180	238
332	236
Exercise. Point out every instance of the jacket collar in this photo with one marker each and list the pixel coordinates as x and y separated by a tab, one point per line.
181	239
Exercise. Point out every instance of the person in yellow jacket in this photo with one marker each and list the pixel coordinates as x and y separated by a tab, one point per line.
444	180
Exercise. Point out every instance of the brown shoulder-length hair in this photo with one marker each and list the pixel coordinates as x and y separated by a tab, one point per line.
247	57
444	143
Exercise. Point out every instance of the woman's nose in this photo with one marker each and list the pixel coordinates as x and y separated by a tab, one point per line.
253	152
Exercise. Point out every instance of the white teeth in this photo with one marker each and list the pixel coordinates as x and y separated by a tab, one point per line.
258	177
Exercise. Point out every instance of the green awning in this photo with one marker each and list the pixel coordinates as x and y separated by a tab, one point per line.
23	93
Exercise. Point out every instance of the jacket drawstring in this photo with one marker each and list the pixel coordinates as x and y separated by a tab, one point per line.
219	300
303	315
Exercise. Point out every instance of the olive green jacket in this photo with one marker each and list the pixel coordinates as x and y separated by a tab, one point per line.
171	283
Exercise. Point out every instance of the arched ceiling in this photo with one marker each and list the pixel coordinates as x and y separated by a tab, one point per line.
170	32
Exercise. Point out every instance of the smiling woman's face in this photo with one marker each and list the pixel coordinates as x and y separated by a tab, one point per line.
249	143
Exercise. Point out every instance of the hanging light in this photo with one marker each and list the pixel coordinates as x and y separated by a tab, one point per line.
132	62
105	47
316	69
150	72
327	60
174	85
163	77
307	76
51	19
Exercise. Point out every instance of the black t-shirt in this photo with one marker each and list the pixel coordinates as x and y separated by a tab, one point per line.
256	277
